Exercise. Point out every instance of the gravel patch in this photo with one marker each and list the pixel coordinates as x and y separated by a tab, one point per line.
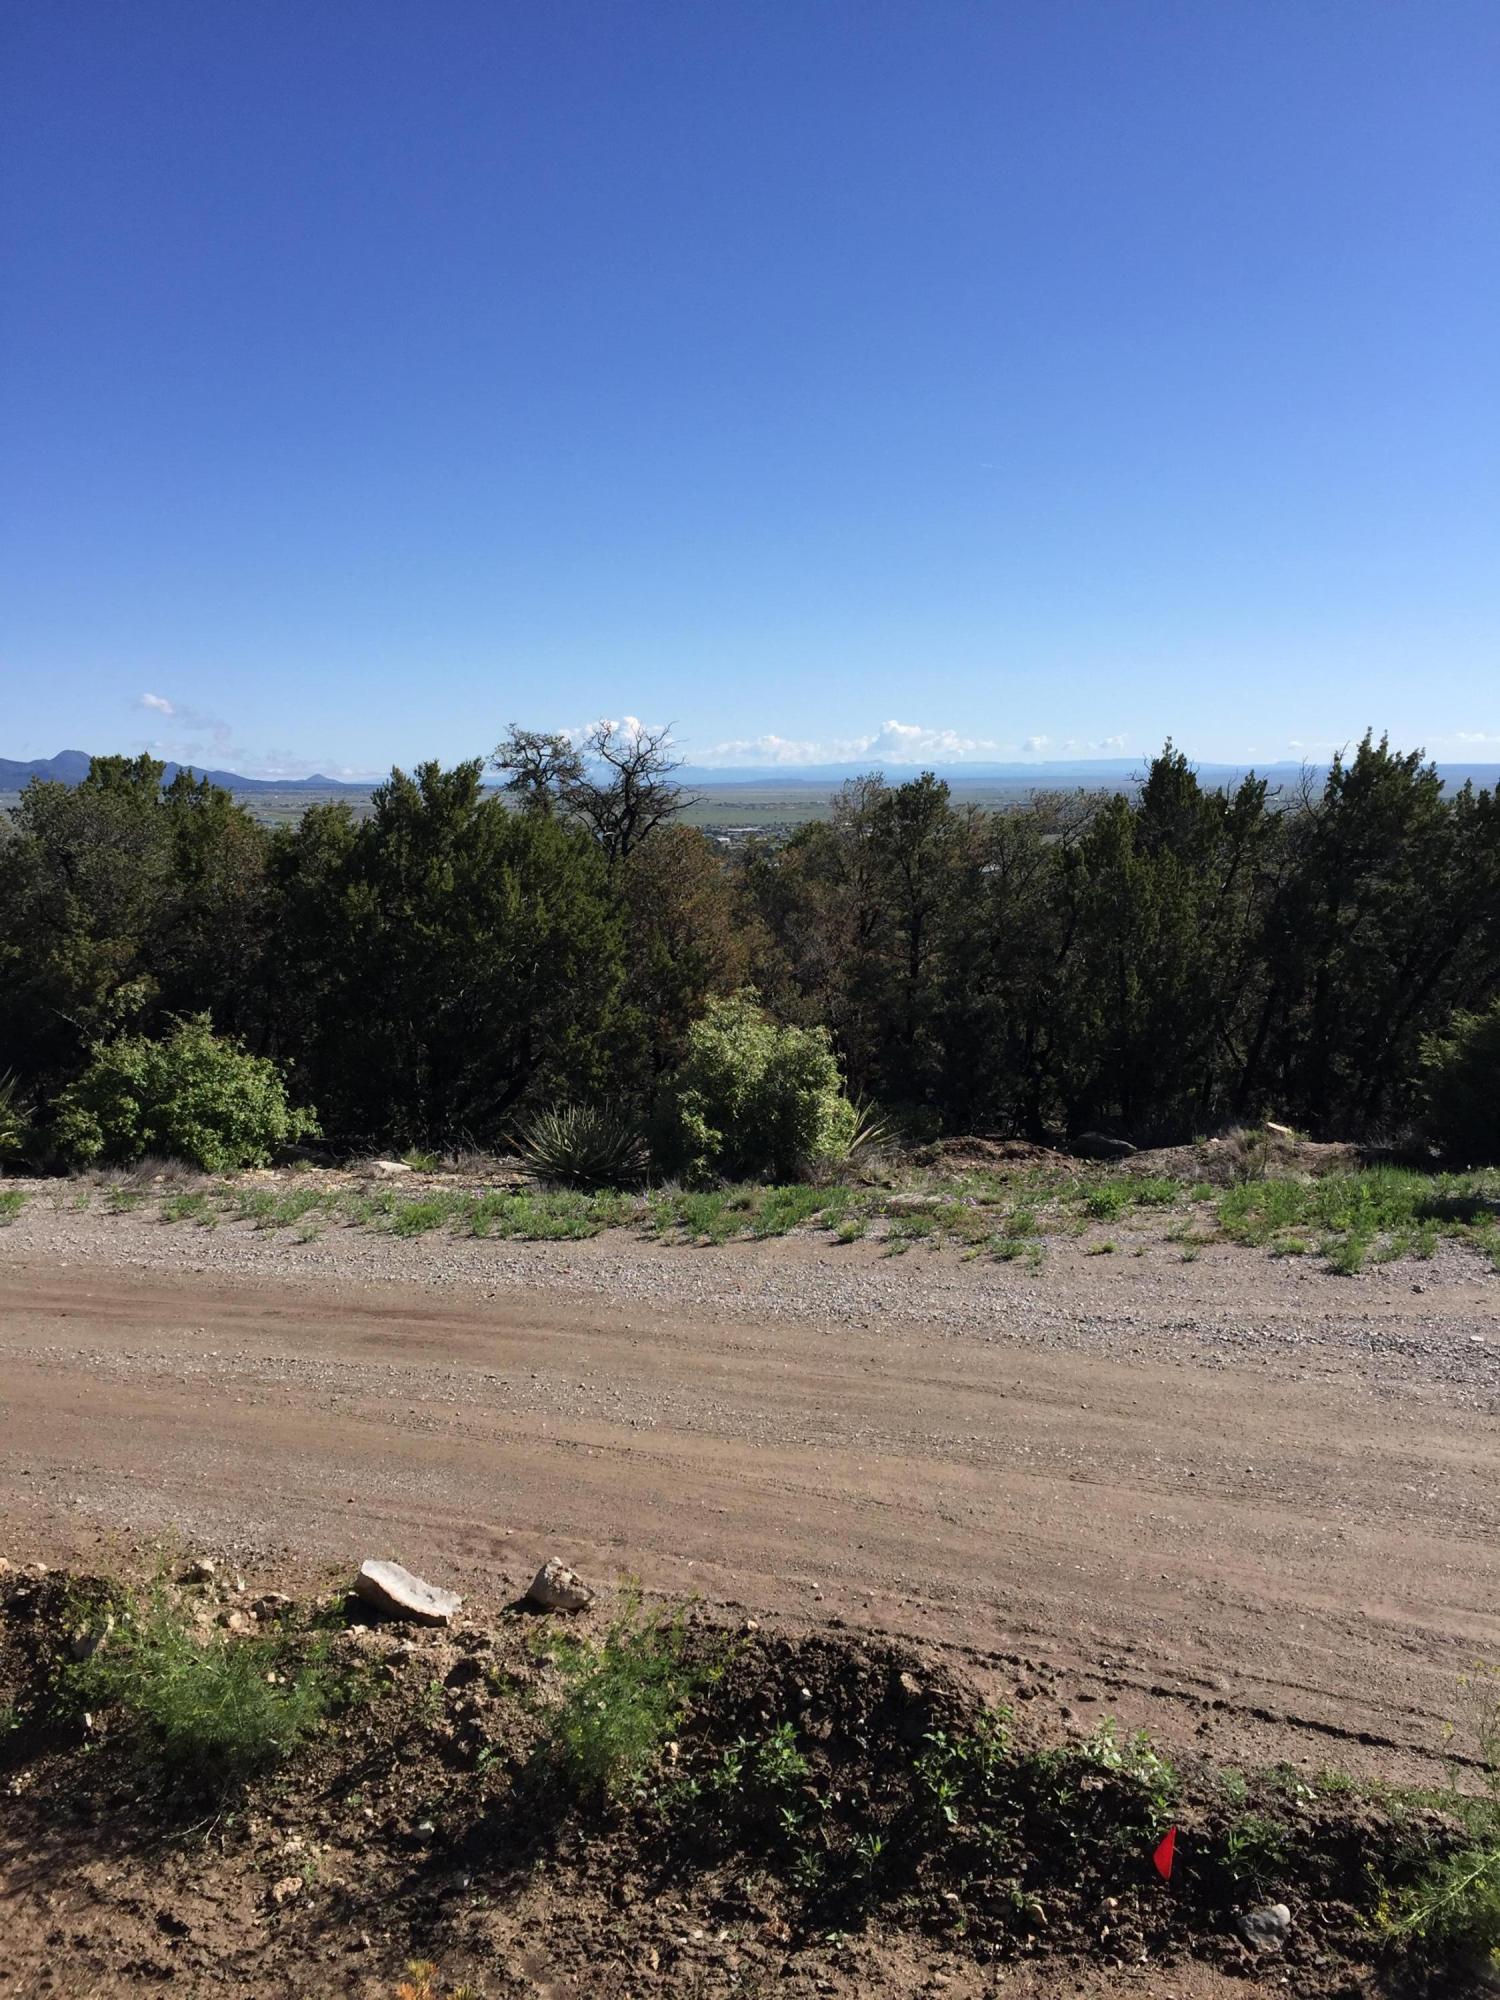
1433	1323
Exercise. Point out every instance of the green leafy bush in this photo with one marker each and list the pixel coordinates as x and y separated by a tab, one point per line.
582	1146
1461	1078
754	1100
193	1095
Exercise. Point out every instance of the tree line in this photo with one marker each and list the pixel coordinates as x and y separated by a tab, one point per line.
1153	964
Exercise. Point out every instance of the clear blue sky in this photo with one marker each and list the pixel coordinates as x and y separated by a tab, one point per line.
375	374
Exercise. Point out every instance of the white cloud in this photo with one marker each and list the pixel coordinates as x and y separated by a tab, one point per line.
629	727
1035	745
892	743
215	734
207	742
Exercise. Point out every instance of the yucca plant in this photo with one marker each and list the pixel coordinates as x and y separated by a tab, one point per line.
871	1130
582	1146
15	1119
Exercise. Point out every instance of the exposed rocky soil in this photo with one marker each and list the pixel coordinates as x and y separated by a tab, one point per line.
425	1822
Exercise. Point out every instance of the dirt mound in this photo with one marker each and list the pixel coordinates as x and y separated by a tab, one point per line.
654	1804
1243	1156
981	1155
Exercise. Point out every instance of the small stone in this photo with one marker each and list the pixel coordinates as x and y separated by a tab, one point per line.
273	1604
286	1890
204	1570
88	1640
389	1169
555	1587
1266	1927
399	1594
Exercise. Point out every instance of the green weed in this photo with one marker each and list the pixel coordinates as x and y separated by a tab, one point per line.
12	1201
1255	1852
1455	1904
956	1772
195	1207
902	1231
416	1218
559	1216
786	1208
213	1708
624	1699
712	1215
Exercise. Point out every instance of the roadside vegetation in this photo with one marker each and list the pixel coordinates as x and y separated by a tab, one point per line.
202	1707
1345	1220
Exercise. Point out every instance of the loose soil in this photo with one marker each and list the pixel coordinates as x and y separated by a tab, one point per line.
1249	1505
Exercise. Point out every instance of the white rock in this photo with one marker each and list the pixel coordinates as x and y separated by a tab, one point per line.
555	1587
399	1594
388	1169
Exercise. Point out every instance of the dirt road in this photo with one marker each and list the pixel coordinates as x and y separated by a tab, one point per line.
1258	1510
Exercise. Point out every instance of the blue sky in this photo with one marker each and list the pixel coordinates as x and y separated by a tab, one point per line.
799	372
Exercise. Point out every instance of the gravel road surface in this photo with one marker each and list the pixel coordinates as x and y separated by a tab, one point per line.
1251	1503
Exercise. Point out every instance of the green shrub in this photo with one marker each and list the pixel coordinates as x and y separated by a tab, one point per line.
623	1702
1461	1085
582	1146
756	1101
216	1709
193	1095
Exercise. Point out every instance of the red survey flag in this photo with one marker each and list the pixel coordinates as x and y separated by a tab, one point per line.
1162	1858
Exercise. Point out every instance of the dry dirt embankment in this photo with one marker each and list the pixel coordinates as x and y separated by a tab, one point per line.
1249	1503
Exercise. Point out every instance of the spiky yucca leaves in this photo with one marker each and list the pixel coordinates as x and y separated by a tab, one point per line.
15	1119
582	1146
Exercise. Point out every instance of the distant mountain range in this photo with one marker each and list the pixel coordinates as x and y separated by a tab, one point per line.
69	766
1077	771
